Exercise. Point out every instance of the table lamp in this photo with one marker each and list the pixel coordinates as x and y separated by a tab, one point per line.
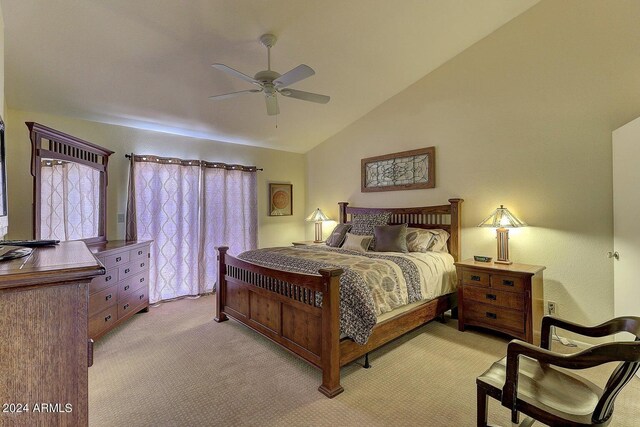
318	216
501	219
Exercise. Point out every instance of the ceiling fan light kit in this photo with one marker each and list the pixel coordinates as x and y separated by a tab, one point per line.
272	83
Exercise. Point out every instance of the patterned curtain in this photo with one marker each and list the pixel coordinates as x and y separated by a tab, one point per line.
70	202
131	224
188	208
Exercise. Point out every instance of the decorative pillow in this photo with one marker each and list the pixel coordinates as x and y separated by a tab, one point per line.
357	243
419	239
390	238
337	236
363	224
439	243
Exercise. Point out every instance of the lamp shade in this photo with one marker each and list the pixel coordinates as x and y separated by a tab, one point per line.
502	218
317	215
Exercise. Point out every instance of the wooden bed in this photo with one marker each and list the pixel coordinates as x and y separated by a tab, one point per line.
281	305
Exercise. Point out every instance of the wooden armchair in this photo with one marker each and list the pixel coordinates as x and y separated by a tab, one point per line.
532	380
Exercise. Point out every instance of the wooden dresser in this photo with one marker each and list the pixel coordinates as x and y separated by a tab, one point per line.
44	350
506	298
124	290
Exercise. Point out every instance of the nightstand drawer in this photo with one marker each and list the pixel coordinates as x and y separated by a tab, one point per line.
494	297
495	317
475	278
507	283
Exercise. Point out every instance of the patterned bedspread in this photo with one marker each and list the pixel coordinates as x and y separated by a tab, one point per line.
372	283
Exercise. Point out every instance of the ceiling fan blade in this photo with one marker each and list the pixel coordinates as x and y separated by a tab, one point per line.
272	105
235	73
305	96
301	72
233	94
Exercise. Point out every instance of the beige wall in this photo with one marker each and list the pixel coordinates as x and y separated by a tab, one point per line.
522	118
278	167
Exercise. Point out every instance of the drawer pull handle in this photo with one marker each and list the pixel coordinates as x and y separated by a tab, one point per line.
475	278
106	319
126	271
141	296
492	315
491	297
106	279
125	306
139	252
126	288
142	264
108	297
508	282
141	279
118	259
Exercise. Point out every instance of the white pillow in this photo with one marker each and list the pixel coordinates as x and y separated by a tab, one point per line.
357	243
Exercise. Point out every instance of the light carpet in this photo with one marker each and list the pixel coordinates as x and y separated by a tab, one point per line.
175	366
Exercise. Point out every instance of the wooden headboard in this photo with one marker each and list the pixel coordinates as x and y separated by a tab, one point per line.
446	217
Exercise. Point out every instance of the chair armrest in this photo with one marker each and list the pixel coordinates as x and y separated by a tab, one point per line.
593	356
619	324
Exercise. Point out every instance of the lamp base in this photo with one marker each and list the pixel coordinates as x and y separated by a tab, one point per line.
318	232
502	236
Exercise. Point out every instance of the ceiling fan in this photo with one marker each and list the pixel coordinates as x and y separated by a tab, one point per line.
271	83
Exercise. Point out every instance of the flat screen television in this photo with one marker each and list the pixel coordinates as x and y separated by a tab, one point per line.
4	218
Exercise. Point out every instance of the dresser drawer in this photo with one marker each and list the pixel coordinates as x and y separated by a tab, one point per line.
133	302
99	283
132	284
103	320
138	253
495	317
118	259
132	268
103	299
475	278
507	283
494	297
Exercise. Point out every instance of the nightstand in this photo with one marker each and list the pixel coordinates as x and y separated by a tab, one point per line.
307	242
505	298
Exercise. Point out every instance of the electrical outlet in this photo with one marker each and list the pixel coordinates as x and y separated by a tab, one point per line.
551	307
120	218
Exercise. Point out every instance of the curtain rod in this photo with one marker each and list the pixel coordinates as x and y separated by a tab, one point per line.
128	156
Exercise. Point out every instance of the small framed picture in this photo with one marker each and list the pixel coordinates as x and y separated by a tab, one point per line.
280	199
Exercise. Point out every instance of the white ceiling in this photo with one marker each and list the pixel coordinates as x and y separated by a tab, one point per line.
146	63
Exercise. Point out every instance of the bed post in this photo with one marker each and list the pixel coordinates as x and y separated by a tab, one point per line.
343	212
330	386
455	243
221	285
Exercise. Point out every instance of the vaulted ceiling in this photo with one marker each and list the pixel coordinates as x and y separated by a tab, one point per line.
147	63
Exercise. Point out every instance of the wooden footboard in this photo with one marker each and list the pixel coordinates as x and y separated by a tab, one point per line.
282	307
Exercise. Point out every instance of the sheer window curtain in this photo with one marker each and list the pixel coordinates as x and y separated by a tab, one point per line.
188	208
69	201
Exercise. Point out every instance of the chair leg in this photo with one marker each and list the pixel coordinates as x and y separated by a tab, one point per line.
482	407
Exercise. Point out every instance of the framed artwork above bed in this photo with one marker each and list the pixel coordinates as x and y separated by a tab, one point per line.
280	199
406	170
